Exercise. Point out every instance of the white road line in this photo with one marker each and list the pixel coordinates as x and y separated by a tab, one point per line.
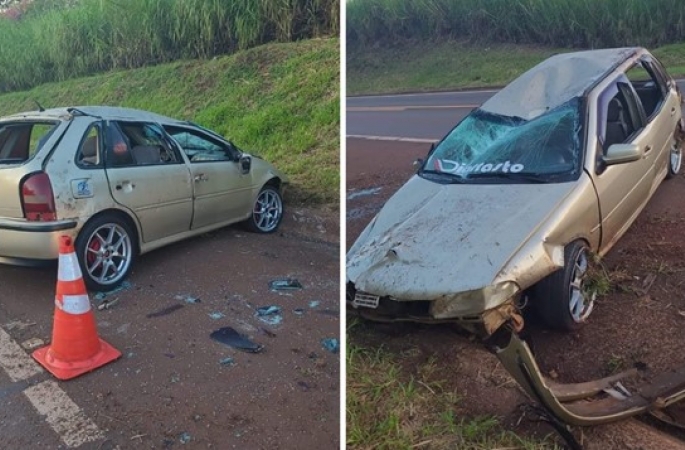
63	415
18	365
392	138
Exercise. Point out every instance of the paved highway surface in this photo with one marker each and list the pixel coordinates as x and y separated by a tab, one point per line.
419	117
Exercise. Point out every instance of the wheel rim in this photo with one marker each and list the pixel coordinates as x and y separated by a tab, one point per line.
267	210
108	254
676	158
580	301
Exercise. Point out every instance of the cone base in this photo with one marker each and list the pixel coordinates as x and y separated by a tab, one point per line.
66	370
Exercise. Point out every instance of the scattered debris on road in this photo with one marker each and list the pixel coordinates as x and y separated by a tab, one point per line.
363	193
18	325
164	311
122	287
270	314
108	303
314	304
228	361
286	284
216	315
191	300
32	343
229	336
331	344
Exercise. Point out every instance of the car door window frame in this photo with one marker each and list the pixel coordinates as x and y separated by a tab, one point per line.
231	152
100	149
167	143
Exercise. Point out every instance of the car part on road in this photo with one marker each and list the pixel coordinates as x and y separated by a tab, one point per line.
331	344
164	311
191	300
586	403
216	315
122	287
228	361
286	284
229	336
562	298
270	314
267	211
106	251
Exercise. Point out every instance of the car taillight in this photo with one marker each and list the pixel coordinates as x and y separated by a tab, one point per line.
37	198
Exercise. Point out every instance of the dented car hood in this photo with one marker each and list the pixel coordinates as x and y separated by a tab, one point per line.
432	240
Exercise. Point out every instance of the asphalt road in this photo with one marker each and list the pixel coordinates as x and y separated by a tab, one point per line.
174	386
423	117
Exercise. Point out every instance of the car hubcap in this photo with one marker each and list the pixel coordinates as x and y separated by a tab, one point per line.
676	158
267	211
581	302
108	254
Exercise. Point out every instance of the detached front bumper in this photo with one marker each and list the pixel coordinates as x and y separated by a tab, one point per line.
593	402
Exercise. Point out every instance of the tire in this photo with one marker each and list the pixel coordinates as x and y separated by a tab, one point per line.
110	239
675	159
267	211
559	299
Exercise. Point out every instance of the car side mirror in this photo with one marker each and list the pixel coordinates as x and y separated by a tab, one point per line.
245	164
622	153
417	164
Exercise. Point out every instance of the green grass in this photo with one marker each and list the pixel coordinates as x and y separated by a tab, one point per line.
554	23
391	406
52	43
280	101
428	66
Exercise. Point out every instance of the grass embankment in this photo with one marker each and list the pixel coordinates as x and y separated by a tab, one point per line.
280	101
425	66
52	42
393	405
552	23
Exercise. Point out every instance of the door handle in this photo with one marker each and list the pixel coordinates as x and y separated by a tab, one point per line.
673	110
201	177
648	149
127	185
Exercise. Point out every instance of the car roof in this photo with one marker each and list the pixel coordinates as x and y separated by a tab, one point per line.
105	112
556	80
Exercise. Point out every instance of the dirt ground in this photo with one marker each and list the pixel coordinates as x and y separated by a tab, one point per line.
639	322
170	389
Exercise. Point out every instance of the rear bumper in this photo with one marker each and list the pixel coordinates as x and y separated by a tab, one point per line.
32	243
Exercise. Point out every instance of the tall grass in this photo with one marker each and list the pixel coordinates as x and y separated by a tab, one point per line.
557	23
51	44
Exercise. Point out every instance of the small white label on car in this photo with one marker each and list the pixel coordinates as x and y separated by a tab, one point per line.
365	300
81	188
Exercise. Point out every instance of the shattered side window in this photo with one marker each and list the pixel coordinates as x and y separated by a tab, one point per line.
486	145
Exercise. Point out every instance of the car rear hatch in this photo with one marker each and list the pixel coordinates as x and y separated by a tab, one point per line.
25	144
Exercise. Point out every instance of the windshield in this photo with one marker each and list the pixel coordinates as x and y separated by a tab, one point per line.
491	148
19	141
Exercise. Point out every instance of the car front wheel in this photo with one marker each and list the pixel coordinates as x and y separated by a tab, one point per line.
562	299
675	159
105	251
267	211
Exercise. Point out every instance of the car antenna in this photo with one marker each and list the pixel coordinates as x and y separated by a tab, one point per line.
40	107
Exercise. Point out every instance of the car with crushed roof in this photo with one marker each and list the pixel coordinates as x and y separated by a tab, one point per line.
122	182
513	204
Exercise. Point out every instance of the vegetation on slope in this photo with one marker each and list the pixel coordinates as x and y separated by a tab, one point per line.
280	101
50	41
554	23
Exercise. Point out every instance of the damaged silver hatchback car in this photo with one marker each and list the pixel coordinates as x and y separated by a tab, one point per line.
122	182
510	206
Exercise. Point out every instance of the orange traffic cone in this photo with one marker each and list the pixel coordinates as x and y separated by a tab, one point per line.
75	348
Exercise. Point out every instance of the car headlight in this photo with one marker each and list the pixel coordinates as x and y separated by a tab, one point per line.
474	302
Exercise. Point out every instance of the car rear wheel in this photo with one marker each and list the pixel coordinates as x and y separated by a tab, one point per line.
105	250
675	159
267	211
562	299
